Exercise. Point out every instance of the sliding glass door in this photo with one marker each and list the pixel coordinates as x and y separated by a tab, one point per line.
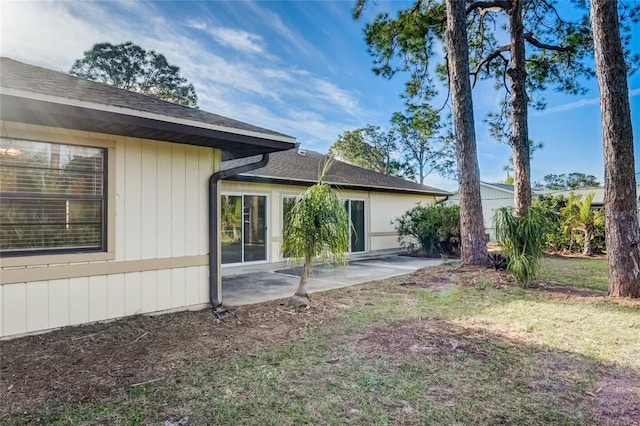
243	223
355	209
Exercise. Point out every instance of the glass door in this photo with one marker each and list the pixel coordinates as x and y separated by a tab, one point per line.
357	220
231	228
243	229
355	210
255	209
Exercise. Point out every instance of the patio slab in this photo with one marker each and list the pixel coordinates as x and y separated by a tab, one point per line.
277	281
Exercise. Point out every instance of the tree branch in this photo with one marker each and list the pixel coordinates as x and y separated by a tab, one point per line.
541	45
496	53
501	4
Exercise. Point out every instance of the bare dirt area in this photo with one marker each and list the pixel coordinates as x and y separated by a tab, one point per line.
565	292
85	363
445	276
617	397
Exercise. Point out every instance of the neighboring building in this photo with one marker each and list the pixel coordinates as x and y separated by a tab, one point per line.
105	200
254	204
494	196
597	191
497	195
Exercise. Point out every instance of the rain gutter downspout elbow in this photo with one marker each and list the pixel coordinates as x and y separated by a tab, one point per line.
443	200
215	295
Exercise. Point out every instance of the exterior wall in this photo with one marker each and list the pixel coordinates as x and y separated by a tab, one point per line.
157	255
380	210
492	200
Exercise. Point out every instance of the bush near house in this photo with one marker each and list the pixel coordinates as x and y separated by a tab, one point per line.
430	230
561	235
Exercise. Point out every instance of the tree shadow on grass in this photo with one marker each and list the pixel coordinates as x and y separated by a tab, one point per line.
476	376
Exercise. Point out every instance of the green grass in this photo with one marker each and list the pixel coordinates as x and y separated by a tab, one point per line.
470	354
577	272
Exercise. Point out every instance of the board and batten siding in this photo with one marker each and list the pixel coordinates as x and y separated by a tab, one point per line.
381	208
158	253
493	198
385	208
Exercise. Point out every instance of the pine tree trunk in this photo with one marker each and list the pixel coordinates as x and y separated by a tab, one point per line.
519	140
474	248
621	221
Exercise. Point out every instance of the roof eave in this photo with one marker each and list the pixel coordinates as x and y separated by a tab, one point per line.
31	108
302	182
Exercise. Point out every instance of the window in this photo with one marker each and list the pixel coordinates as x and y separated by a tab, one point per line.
52	198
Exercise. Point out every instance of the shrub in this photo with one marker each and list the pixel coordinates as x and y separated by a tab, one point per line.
560	236
430	229
522	239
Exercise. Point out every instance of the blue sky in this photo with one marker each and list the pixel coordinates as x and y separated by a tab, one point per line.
298	67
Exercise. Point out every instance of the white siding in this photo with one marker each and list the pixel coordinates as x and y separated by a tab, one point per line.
161	215
381	208
78	300
492	199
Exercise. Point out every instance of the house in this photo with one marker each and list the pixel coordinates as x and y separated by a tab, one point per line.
497	195
494	196
107	199
255	202
113	203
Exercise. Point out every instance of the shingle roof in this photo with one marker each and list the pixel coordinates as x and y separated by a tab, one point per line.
18	75
502	186
42	96
294	168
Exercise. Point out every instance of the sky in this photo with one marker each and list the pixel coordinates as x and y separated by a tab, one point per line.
297	67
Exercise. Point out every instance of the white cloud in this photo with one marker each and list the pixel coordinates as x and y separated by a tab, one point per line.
258	88
578	104
237	39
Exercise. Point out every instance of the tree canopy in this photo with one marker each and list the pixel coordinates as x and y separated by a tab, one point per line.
567	181
526	47
129	66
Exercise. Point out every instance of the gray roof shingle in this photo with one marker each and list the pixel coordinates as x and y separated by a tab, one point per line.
30	78
292	167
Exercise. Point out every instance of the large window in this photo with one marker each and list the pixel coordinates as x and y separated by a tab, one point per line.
52	198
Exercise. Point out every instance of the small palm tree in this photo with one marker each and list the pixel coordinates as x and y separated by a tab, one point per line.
579	215
316	227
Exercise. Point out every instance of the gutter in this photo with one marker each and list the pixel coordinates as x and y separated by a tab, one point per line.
215	290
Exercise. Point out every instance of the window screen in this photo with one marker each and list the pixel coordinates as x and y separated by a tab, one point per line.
52	198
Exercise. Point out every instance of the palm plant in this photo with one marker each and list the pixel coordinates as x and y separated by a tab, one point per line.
316	227
579	215
522	239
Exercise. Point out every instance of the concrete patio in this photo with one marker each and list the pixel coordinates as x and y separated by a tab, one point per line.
260	283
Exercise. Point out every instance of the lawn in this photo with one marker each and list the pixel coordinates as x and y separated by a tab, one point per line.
445	345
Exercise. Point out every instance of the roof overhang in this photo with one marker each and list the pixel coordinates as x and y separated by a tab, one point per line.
346	186
34	108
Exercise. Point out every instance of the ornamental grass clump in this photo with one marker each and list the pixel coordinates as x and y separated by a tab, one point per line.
522	239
